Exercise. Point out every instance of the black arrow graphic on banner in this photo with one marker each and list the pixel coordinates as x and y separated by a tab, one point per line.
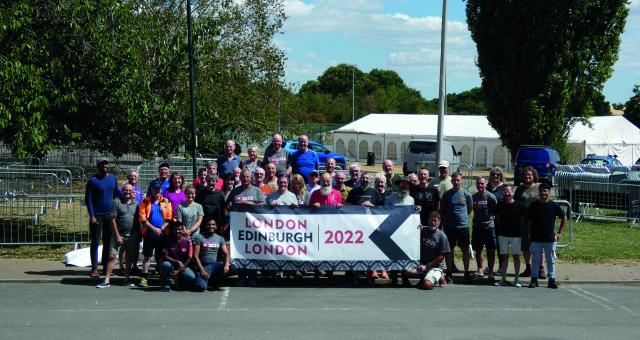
381	237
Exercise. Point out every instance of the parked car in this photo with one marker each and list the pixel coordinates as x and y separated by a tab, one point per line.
542	158
422	153
601	160
321	150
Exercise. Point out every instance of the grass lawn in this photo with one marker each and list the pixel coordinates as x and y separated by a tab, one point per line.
601	241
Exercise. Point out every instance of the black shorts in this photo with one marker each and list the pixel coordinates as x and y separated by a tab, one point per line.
484	237
459	236
152	244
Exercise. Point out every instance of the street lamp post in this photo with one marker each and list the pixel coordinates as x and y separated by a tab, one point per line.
442	95
353	93
194	138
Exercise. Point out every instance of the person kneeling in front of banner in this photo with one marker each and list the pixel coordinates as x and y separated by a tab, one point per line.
434	246
178	254
206	245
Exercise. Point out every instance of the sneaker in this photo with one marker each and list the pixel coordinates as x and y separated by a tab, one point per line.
526	273
533	283
501	283
143	283
94	274
516	283
105	284
552	283
166	288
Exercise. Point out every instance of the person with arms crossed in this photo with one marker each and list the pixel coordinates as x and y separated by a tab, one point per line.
456	205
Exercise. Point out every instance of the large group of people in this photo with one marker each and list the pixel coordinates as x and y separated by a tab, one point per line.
185	227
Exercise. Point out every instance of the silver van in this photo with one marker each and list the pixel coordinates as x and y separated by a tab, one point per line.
421	153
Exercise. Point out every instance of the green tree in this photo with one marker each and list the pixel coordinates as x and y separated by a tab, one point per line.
542	62
470	102
632	107
112	75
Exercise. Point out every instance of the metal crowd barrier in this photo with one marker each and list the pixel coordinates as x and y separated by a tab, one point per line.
604	201
567	206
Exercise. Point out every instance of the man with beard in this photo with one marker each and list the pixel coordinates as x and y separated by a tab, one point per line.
425	196
326	195
354	176
365	194
401	197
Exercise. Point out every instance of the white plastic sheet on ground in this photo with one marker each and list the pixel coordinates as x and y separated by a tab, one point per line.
81	257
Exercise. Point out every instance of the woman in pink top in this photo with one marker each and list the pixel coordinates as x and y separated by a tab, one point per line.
175	193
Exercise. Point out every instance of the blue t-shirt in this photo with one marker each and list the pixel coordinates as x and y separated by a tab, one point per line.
226	166
165	185
155	215
303	162
455	206
99	195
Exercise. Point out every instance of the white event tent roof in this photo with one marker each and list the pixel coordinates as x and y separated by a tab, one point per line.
607	134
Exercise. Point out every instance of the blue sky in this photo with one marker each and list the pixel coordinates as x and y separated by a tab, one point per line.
404	36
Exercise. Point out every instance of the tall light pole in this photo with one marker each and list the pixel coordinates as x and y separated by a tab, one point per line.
194	138
442	95
353	93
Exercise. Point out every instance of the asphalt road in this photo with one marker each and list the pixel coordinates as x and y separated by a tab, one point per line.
57	311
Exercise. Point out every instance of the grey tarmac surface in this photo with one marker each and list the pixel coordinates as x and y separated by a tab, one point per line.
57	311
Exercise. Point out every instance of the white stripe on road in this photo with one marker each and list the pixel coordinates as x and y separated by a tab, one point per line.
292	309
586	297
224	298
624	308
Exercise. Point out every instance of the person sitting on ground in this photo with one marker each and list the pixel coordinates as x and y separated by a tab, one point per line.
434	247
206	245
509	218
178	254
190	213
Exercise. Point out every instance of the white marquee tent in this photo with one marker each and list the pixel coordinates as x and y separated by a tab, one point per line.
386	135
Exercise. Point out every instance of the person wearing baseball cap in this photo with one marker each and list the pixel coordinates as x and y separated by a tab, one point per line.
442	182
163	178
100	191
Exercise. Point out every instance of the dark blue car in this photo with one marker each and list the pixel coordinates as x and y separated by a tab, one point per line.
542	158
321	150
601	160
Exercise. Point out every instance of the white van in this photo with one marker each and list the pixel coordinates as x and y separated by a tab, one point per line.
421	153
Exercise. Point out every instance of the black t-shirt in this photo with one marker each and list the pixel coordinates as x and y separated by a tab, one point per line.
428	199
359	196
509	218
212	204
543	218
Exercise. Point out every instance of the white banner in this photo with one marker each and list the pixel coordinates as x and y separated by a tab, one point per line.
327	237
